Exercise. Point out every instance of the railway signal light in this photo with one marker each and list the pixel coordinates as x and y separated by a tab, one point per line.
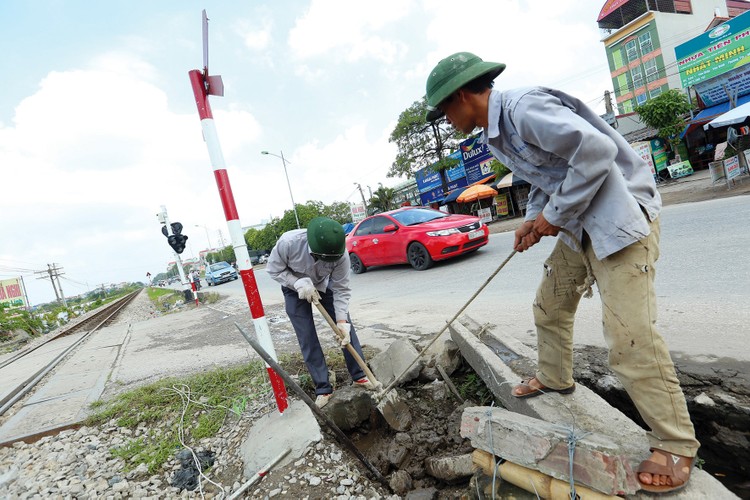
176	240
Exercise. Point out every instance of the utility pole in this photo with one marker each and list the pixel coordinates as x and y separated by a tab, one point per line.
54	273
364	203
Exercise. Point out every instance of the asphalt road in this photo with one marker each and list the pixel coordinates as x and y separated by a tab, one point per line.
703	287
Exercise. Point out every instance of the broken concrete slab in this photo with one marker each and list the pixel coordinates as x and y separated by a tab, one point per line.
502	365
349	407
392	362
273	433
445	355
539	445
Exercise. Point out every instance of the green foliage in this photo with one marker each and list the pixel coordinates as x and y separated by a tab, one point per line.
472	387
383	199
226	254
207	399
421	144
17	319
263	240
667	113
499	169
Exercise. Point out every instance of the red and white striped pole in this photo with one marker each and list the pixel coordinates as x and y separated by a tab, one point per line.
197	80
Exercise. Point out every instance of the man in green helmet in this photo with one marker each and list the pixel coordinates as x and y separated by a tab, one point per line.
586	179
312	265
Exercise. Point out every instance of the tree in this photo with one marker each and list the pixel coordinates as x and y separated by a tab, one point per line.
421	144
499	169
383	199
666	113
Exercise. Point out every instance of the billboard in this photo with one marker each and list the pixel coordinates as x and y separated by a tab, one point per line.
711	54
11	293
358	211
477	159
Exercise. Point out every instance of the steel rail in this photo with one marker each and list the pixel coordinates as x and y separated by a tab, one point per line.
71	329
28	384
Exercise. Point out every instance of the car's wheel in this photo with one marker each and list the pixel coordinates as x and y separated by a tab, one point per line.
356	264
418	256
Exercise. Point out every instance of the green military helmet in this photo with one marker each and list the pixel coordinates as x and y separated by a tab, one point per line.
451	74
326	239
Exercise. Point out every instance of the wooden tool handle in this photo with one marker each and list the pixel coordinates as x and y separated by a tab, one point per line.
349	346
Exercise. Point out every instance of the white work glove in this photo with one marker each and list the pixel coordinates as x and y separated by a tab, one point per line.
345	332
306	290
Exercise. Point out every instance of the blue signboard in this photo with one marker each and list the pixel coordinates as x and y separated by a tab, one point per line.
456	172
462	182
434	196
477	158
427	181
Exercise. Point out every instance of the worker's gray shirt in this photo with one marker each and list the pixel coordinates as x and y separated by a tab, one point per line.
583	174
290	260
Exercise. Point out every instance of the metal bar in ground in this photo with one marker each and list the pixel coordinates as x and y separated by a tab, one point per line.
311	404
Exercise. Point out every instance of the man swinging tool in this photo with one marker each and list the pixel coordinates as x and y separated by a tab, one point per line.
587	180
312	264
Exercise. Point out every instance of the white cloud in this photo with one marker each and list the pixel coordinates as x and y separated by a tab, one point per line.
340	27
540	42
256	36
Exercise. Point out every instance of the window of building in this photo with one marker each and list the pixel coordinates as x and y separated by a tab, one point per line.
617	62
645	42
641	98
626	106
655	92
637	75
652	72
632	50
621	84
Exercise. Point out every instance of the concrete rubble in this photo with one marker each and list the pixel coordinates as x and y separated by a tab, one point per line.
502	361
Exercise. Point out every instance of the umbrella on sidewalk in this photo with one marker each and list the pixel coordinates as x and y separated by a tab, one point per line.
476	192
509	180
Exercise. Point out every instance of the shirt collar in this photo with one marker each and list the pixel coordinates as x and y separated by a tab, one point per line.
494	109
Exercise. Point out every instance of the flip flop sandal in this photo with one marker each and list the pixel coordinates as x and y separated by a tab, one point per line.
675	468
533	391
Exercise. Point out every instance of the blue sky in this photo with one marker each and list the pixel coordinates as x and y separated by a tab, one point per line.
98	125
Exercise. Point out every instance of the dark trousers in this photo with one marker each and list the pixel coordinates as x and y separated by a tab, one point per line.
301	316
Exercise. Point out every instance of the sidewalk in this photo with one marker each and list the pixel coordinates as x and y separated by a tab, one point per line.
695	187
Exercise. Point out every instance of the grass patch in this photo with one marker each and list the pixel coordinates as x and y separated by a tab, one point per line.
164	298
214	396
472	387
155	293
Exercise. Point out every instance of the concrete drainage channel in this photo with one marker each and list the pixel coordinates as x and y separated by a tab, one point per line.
427	452
718	396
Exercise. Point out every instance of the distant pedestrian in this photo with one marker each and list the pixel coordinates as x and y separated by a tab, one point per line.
312	265
586	179
196	278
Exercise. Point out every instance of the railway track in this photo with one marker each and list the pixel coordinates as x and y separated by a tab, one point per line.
20	373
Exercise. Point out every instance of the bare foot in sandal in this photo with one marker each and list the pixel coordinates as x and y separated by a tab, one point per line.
663	471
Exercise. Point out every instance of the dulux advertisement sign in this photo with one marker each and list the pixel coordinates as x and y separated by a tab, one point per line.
476	158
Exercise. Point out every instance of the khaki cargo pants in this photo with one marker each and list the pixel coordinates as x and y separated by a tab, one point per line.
637	353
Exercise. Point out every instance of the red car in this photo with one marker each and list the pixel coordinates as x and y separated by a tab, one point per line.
416	235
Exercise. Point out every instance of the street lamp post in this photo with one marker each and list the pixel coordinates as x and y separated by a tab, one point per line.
283	162
207	237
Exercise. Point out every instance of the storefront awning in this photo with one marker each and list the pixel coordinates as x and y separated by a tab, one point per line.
731	117
707	114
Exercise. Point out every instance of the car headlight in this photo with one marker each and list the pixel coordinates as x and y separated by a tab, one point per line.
443	232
